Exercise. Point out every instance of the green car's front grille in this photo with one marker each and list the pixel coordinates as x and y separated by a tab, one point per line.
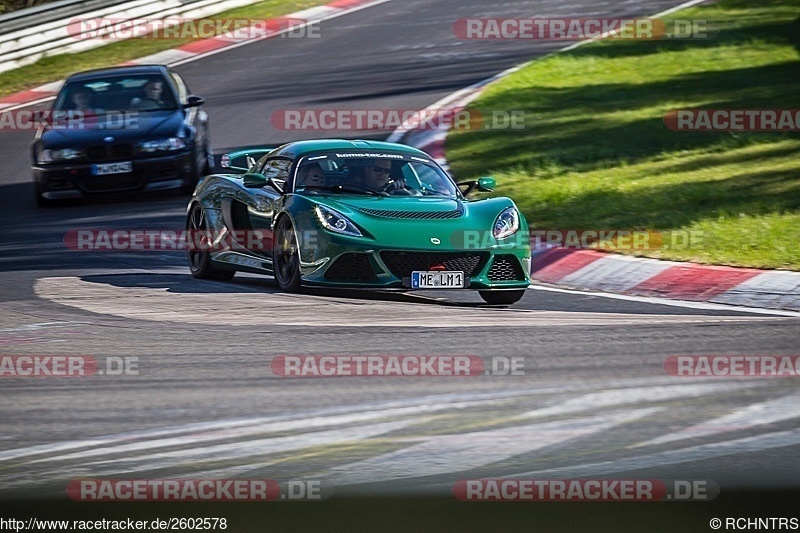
506	268
402	264
351	267
418	215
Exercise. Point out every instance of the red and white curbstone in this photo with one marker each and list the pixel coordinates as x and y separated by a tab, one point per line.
590	270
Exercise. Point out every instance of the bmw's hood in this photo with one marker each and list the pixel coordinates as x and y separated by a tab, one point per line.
142	126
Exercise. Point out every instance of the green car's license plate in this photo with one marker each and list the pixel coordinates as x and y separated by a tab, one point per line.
446	279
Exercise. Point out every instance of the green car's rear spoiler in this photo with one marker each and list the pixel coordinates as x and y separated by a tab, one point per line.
239	161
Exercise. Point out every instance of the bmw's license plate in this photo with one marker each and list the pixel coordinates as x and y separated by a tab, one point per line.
444	279
112	168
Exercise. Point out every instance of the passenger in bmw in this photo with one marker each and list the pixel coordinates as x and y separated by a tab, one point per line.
82	101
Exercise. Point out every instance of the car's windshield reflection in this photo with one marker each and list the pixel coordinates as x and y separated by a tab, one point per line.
376	176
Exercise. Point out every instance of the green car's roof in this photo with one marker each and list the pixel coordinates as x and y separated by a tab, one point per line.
298	148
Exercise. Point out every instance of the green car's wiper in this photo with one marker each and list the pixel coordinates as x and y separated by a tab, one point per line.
349	187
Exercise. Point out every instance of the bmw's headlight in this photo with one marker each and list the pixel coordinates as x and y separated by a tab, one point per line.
506	223
336	221
55	156
163	145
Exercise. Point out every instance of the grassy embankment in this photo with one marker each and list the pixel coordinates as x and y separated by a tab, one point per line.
595	151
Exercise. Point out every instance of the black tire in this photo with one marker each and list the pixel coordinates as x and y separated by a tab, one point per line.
286	257
502	297
197	173
200	260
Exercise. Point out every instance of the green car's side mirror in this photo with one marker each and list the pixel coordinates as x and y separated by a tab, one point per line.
254	181
251	180
486	184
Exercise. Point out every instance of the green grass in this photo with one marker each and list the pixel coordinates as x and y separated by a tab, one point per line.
595	152
58	67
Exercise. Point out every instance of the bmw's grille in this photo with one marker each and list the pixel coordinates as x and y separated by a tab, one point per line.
109	152
506	268
351	267
121	150
402	264
110	183
417	215
96	153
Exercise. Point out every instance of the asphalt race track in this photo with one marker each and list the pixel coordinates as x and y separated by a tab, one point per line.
200	399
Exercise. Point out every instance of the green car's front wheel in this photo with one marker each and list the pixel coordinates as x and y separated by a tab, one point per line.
200	260
502	297
286	257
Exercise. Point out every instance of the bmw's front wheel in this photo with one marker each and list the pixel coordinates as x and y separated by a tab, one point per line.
200	259
286	257
502	297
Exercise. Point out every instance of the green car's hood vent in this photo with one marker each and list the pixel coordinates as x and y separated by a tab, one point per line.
418	215
405	208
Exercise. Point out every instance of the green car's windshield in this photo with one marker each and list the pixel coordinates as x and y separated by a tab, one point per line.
373	173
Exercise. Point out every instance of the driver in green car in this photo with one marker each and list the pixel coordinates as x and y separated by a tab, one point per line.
377	175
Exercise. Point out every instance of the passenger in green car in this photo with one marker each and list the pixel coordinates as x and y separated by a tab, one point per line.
311	175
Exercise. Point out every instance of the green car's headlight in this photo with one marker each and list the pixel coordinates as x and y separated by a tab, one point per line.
163	145
506	223
336	221
53	156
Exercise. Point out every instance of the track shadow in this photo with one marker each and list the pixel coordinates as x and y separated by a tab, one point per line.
186	284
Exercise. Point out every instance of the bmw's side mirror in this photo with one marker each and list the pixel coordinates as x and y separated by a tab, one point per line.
194	101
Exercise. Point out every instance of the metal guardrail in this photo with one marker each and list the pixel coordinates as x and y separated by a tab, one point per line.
29	34
42	14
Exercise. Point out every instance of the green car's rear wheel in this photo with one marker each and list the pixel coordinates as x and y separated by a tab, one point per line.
286	257
200	260
502	297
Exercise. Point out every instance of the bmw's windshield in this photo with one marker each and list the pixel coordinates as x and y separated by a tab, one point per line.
373	173
117	93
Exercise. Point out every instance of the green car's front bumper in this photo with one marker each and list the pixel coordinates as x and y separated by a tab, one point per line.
340	260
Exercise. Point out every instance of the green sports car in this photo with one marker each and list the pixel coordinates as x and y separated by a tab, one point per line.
355	214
